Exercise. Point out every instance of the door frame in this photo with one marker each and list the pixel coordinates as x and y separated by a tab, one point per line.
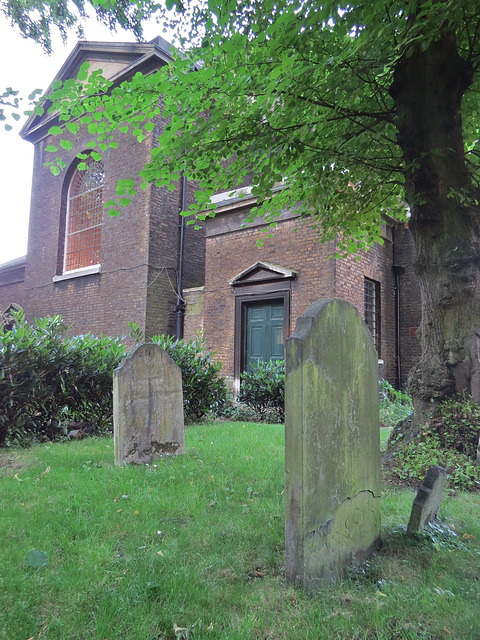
242	299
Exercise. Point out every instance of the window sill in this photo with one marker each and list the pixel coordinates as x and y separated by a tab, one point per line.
79	273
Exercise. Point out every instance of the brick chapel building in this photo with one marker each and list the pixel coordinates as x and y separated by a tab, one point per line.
99	272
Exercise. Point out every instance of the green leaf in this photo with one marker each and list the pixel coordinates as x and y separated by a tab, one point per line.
66	144
36	558
55	131
51	148
83	71
73	127
125	201
55	170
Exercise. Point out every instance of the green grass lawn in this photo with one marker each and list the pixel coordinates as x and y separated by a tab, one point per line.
193	547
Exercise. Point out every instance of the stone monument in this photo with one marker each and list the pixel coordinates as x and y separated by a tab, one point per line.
427	501
147	406
332	444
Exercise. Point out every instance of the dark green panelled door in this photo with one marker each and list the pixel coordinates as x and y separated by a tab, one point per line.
264	332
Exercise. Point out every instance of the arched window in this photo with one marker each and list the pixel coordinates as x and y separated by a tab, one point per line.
83	232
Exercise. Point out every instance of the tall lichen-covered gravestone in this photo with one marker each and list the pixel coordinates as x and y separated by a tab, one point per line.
147	406
332	444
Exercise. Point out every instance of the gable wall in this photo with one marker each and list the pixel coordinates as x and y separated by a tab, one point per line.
101	303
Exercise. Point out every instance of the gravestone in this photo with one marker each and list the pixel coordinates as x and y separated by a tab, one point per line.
147	406
427	501
332	444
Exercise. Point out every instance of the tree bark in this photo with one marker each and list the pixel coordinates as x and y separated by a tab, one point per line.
427	90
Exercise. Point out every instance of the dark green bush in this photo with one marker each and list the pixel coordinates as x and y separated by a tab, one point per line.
263	389
449	439
204	390
47	378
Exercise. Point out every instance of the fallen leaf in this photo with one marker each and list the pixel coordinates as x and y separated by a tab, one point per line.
47	470
37	559
118	510
137	513
467	536
180	632
17	478
160	553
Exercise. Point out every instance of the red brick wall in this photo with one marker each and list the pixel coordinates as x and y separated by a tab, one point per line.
375	264
295	246
139	255
12	287
164	246
101	303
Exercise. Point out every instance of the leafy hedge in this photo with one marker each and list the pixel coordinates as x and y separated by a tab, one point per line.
203	389
48	379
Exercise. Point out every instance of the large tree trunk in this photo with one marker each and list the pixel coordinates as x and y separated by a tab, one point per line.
428	88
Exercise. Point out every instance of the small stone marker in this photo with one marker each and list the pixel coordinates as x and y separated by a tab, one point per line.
147	406
427	501
332	444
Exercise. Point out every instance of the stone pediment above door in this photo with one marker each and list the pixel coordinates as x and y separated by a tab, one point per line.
262	272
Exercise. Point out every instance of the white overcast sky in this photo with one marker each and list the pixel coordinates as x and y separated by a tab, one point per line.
26	67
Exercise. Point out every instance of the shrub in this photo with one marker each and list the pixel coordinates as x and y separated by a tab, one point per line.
263	389
203	389
449	439
47	377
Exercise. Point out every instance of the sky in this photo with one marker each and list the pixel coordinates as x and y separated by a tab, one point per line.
25	67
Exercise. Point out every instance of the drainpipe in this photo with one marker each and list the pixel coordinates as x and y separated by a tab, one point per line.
180	306
397	272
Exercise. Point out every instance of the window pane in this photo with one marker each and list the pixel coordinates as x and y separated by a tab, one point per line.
372	310
84	217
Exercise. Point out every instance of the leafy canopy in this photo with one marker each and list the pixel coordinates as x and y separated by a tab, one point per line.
36	19
290	97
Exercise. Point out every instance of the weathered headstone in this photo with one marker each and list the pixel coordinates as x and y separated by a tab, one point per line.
147	406
427	501
332	444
